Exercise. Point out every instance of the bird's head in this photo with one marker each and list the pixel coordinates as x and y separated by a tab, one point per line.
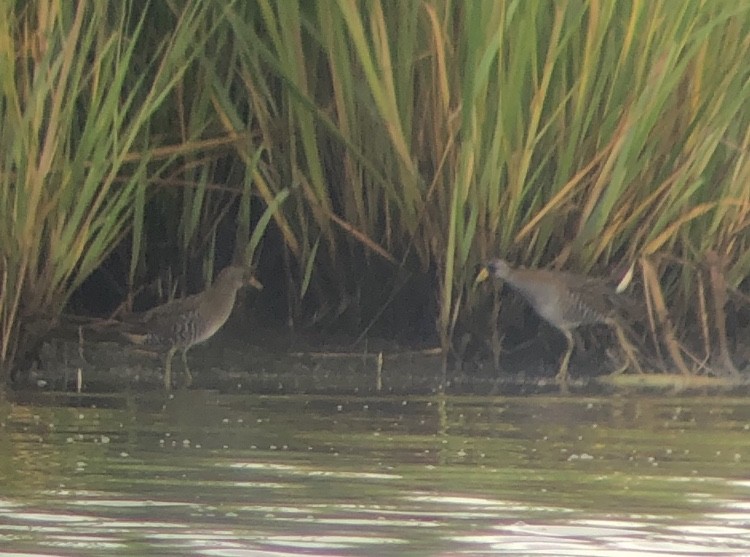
497	268
236	276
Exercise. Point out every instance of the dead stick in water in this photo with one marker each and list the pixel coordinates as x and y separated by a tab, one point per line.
393	356
379	373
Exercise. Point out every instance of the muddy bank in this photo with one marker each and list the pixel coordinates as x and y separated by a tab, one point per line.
268	361
276	362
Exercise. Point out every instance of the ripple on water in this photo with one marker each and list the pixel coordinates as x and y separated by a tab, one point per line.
376	476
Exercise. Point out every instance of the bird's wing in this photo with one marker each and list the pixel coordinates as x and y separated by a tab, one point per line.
168	311
594	293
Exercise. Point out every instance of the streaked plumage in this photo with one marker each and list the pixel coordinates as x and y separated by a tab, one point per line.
566	301
181	324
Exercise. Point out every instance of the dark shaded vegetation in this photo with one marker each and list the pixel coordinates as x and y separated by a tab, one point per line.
364	157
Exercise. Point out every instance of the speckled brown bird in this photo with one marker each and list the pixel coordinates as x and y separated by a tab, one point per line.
183	323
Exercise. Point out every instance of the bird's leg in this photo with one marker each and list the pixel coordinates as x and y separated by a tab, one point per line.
168	369
562	374
188	375
615	358
627	346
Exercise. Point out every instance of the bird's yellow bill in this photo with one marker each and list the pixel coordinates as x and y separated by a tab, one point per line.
482	275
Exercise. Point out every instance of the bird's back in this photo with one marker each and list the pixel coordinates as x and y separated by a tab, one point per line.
188	321
170	324
174	329
566	300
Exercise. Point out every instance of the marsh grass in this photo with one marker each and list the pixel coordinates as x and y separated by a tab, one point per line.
77	101
578	134
416	137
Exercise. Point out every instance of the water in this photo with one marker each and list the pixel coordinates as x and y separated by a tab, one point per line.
210	474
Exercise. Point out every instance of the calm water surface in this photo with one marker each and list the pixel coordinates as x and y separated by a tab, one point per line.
203	473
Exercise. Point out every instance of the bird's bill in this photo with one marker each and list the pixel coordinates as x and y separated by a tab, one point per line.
482	275
254	282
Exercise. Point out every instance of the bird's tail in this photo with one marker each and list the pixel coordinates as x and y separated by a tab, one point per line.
135	338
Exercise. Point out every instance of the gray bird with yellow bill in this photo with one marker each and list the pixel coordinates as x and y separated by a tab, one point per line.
566	301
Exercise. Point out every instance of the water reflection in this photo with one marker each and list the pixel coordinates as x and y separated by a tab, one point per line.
207	474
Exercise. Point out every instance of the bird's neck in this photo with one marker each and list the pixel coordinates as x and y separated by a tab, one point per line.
219	298
522	278
532	283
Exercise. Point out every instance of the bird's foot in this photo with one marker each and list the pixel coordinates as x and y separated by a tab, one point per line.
622	367
562	381
188	375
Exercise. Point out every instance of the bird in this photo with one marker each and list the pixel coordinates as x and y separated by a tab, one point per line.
566	301
181	324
